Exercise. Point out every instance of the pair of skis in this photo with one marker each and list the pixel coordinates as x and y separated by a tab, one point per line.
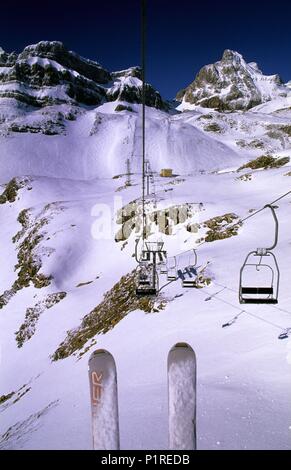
181	399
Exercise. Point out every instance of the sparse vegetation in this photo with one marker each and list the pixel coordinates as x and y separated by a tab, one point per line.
202	280
245	177
28	328
29	263
117	303
286	129
241	143
274	134
205	116
256	144
213	127
11	190
220	227
265	162
122	107
4	398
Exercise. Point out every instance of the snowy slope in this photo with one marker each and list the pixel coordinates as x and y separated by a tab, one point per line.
243	372
53	228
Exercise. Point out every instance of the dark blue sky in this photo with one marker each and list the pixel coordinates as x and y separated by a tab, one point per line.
183	35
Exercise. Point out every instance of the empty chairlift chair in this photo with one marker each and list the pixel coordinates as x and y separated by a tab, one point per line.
261	268
172	269
190	274
162	265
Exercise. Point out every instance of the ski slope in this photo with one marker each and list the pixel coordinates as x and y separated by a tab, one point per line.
243	371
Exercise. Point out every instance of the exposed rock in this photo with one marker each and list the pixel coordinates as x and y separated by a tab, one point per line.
128	87
47	74
28	327
117	303
29	263
221	227
12	188
232	84
56	51
265	162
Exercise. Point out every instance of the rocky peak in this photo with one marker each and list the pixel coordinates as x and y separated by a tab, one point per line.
232	56
62	76
127	86
230	84
7	60
55	50
130	72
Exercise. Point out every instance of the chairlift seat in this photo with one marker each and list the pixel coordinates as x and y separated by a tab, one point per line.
142	292
259	301
257	290
144	282
172	277
188	283
265	294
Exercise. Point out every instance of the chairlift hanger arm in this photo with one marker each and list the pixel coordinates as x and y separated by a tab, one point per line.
276	226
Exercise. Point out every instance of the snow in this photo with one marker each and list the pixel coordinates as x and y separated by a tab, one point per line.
84	153
182	398
243	371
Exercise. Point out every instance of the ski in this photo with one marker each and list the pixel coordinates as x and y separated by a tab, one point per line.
104	401
182	397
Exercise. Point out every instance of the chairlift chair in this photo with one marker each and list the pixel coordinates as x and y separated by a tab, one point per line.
162	266
186	283
172	269
146	283
190	281
261	261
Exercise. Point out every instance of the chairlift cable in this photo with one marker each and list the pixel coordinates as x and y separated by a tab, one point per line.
248	313
240	221
234	291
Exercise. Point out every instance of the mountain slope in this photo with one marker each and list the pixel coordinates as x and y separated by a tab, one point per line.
70	218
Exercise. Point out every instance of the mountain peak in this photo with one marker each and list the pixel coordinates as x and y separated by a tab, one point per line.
230	84
230	56
45	45
66	77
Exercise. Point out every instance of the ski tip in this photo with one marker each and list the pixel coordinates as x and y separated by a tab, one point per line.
100	352
180	346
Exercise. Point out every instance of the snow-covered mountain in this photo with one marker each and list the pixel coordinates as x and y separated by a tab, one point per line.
231	84
69	219
47	73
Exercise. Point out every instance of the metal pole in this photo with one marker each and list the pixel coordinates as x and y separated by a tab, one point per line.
154	269
143	75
